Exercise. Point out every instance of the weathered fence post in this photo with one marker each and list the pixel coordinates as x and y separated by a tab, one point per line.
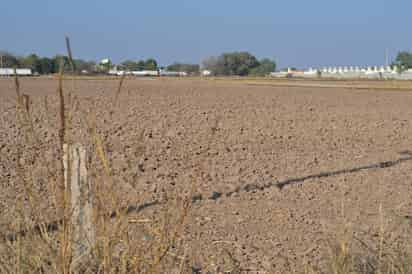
81	200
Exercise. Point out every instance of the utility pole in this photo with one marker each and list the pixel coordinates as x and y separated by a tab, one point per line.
386	57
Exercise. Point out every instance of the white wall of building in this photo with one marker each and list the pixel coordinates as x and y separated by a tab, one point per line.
20	72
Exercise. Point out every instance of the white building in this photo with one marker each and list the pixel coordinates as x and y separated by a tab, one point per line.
173	73
145	73
105	61
349	72
206	72
20	72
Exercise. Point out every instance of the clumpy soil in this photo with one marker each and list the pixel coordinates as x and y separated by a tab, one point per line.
340	156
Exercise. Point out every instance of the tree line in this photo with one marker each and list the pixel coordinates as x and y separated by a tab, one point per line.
226	64
130	65
151	64
240	64
404	60
233	63
191	69
44	65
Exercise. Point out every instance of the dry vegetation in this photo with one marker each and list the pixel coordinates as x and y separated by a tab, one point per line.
40	237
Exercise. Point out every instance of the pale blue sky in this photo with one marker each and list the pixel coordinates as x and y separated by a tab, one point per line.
298	33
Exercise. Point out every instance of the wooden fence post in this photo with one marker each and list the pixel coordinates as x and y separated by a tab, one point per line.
83	230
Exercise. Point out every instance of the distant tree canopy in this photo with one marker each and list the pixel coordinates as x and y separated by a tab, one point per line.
150	64
404	60
265	67
31	61
188	68
45	65
231	63
8	60
130	65
82	65
239	63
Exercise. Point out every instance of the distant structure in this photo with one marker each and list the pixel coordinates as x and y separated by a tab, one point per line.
116	72
206	72
5	72
288	73
105	61
148	73
172	73
348	72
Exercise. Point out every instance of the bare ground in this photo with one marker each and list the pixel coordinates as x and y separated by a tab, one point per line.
338	153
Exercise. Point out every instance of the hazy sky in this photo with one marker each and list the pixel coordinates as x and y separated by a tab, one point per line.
298	33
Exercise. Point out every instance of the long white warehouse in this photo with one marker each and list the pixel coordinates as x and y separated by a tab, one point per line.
20	72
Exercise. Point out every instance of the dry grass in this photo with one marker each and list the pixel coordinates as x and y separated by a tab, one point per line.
36	243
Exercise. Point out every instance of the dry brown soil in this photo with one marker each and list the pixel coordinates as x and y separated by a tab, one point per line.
336	152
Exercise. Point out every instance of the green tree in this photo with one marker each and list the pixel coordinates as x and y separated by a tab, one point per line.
239	63
82	65
141	65
8	60
46	66
56	61
130	65
32	62
403	60
265	67
188	68
232	63
150	64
